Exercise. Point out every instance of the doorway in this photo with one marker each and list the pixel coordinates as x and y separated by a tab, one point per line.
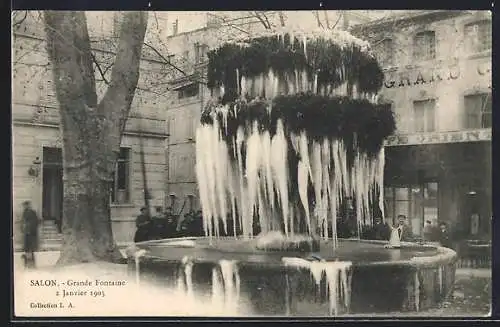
52	191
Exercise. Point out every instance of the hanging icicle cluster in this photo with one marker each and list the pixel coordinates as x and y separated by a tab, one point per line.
293	132
297	60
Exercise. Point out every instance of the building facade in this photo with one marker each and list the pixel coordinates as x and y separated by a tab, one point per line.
438	81
37	159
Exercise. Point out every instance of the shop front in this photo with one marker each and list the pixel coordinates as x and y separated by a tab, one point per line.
427	179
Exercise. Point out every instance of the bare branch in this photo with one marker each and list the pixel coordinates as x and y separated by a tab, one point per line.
257	14
98	66
325	12
338	20
316	14
17	23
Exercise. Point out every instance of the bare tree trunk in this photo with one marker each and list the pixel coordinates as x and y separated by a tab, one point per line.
91	131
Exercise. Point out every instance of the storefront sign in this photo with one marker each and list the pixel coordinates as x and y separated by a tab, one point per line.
407	79
475	135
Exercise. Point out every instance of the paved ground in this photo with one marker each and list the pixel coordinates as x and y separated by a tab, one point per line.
471	295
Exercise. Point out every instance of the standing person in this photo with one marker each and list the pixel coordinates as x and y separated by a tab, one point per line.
444	236
381	230
404	231
159	224
143	223
30	231
428	231
171	223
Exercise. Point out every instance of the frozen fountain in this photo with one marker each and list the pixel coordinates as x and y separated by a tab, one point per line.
293	130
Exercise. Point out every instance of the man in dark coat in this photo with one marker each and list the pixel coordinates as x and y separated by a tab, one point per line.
143	223
30	231
404	231
444	236
381	230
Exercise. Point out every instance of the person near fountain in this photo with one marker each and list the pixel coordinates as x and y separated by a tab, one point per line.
444	236
381	230
171	228
143	224
30	231
404	231
430	231
159	225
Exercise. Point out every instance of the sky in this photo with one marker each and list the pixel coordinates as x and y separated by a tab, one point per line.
192	20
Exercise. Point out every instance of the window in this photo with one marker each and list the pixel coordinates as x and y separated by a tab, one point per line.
424	116
478	111
120	191
424	46
478	36
417	202
188	91
385	53
200	52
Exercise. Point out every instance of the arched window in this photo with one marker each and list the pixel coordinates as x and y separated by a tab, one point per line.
478	36
424	46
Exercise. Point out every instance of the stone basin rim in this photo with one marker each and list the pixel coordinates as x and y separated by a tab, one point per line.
443	256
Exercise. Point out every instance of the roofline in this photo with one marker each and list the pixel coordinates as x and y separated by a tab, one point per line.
407	17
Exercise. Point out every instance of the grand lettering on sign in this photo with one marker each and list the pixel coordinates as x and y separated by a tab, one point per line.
404	79
475	135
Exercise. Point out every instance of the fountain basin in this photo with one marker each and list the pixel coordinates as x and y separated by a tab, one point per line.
411	278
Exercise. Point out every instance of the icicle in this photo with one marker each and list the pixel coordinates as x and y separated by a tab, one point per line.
304	42
221	167
276	85
291	84
269	84
181	285
336	274
252	167
325	187
231	280
268	174
243	208
137	258
298	89
305	81
303	183
188	273
315	85
217	287
243	85
380	182
440	280
417	291
279	154
317	178
238	81
232	195
264	221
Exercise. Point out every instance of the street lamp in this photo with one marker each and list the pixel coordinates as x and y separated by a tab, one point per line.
34	169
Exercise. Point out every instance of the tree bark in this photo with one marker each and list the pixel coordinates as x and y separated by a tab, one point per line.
91	131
